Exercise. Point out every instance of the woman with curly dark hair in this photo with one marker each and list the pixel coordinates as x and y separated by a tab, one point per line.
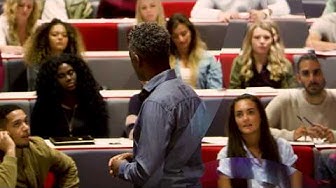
68	100
52	38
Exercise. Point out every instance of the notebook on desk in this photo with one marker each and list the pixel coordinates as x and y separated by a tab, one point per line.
73	140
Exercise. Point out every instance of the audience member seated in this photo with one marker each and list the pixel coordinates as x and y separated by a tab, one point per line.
8	165
225	10
134	106
253	156
50	39
322	34
27	160
116	9
330	7
189	57
262	61
150	11
292	112
65	9
17	23
68	99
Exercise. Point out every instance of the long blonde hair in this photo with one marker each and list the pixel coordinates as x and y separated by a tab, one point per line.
10	7
196	47
276	61
160	20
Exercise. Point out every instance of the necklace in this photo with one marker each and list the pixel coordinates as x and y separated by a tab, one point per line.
69	114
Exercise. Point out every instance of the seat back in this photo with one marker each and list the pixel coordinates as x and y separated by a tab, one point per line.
235	34
177	6
117	111
93	170
99	37
24	104
293	32
212	34
15	78
296	7
114	72
123	30
219	124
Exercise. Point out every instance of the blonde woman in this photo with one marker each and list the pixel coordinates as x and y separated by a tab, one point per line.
17	23
150	11
189	57
262	62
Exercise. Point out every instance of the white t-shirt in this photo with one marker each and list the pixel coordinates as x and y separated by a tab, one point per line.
54	9
186	75
259	173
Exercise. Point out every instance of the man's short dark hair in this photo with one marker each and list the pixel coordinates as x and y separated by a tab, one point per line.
304	57
5	110
150	41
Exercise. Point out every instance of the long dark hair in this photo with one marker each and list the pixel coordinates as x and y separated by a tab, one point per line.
267	143
50	91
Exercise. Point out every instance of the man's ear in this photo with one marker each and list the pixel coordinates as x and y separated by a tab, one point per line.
139	60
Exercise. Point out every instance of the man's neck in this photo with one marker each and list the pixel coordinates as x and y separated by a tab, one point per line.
153	72
315	99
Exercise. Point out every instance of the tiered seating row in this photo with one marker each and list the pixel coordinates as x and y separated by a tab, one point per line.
113	70
111	34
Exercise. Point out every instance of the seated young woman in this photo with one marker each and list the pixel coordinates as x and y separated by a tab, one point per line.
52	38
262	61
68	100
189	57
17	24
253	156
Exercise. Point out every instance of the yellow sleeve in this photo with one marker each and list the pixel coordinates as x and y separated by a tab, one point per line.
8	172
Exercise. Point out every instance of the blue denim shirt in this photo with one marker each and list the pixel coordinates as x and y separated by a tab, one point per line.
163	117
209	72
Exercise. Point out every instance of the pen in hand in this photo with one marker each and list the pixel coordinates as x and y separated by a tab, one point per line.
301	120
307	120
310	123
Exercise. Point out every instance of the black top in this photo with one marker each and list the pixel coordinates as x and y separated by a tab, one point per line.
49	120
262	79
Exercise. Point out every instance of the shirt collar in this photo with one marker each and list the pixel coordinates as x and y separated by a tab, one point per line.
158	79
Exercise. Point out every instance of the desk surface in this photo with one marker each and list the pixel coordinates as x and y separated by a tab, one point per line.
213	93
95	54
203	93
112	143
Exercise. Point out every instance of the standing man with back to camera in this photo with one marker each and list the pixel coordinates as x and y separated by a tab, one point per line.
168	132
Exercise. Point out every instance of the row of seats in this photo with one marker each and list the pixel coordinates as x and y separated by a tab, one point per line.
117	73
118	107
84	158
311	8
112	36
